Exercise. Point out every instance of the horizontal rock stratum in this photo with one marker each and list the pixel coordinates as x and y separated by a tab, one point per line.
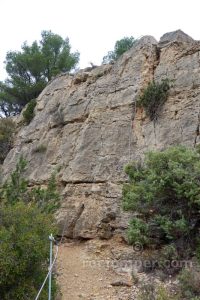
89	128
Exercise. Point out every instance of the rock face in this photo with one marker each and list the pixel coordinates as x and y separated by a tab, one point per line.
175	36
89	129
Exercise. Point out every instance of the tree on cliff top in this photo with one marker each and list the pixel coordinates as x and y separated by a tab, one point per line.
121	46
30	69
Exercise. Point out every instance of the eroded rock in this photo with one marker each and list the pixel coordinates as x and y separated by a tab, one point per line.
90	127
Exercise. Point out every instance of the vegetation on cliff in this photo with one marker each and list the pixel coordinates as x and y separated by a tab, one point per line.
30	70
120	47
153	97
28	113
7	129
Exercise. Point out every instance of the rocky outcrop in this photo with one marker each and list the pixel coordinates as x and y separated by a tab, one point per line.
89	128
175	36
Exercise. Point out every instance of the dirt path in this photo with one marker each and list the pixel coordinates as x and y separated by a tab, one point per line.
84	275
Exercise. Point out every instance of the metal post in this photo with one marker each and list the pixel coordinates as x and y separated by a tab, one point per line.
50	263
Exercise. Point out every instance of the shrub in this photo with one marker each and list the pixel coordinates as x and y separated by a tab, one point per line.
189	281
7	129
40	149
147	291
163	294
28	113
24	231
153	291
138	231
24	251
153	97
165	192
48	200
16	189
169	260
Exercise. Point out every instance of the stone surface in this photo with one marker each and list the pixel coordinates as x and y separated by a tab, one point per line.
91	129
175	36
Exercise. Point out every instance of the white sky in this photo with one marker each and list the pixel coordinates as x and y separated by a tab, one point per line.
93	26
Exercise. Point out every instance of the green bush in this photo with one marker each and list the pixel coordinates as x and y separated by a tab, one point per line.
121	46
138	231
24	251
165	192
153	97
152	291
163	294
189	281
26	220
16	189
28	113
7	129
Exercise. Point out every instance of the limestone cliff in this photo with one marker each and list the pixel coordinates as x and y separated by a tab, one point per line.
89	129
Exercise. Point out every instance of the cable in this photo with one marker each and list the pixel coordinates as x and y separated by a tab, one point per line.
50	269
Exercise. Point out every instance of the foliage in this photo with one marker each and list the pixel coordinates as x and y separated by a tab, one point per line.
187	289
30	69
151	291
138	231
121	46
46	199
8	106
165	193
189	282
153	97
163	294
56	54
40	149
7	128
28	113
147	291
26	220
16	189
24	250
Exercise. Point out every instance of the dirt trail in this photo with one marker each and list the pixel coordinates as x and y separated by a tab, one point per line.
82	275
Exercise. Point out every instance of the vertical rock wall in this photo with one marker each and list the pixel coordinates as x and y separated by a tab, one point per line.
89	128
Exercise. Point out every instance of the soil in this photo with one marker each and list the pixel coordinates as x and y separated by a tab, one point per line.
83	272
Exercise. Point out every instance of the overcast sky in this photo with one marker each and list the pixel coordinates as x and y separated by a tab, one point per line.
93	26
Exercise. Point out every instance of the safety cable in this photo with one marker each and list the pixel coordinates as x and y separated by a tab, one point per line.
56	255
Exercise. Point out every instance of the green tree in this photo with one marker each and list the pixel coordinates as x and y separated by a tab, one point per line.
56	54
8	105
30	69
16	189
7	129
164	191
121	46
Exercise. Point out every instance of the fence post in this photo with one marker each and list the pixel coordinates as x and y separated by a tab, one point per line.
51	238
